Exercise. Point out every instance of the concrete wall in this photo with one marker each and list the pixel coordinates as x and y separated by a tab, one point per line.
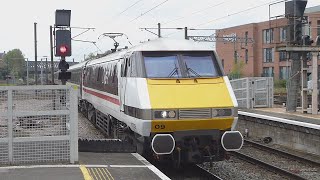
294	137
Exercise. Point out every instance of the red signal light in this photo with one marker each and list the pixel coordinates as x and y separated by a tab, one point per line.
63	49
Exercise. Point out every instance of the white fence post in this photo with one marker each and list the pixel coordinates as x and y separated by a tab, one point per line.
73	125
10	126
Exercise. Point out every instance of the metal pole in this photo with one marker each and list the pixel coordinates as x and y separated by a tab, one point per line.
41	72
47	78
35	53
63	81
159	30
51	50
186	33
27	71
315	83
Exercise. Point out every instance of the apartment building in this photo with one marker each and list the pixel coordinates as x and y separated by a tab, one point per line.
254	45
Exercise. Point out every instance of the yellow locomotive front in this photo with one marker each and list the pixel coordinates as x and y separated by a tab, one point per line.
193	106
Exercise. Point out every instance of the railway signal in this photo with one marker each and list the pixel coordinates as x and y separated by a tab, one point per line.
63	43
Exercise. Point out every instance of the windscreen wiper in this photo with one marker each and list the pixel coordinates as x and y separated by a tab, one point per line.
191	70
174	71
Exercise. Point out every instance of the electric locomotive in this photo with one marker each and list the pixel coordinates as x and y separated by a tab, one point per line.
168	97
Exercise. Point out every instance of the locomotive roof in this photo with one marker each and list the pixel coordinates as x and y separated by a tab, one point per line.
165	44
160	44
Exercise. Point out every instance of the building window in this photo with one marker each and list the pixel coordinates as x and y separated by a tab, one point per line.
247	56
283	34
268	36
268	72
235	56
268	54
282	56
246	38
318	28
222	61
284	72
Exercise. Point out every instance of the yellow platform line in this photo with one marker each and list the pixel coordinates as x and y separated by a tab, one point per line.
85	173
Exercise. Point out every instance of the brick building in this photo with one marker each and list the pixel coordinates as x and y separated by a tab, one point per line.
260	58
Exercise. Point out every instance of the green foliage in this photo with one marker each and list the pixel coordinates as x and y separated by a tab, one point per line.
90	56
15	63
237	70
280	83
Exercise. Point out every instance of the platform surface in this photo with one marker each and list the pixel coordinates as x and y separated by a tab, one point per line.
92	166
281	113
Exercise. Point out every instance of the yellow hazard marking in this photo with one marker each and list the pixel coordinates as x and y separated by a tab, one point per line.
85	173
103	174
108	173
98	173
94	174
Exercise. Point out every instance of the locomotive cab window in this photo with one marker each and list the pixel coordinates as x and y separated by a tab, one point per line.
181	65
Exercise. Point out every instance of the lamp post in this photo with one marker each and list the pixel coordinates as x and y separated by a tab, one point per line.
46	69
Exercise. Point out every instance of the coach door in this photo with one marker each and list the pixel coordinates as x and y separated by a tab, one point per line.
123	81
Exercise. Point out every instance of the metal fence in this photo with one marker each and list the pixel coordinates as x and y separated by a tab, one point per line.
38	124
253	92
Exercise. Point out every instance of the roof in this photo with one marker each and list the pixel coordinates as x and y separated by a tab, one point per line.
313	9
166	44
160	44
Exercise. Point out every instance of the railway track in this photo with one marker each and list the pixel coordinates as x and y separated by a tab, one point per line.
187	172
284	163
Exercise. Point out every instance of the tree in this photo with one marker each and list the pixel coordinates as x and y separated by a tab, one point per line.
15	63
236	71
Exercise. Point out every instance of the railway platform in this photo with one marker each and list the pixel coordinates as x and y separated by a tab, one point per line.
280	112
91	166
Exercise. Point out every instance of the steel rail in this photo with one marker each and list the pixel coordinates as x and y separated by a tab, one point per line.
282	153
267	165
209	174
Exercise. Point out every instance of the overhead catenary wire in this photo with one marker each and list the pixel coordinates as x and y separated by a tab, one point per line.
195	12
153	8
239	12
129	7
229	15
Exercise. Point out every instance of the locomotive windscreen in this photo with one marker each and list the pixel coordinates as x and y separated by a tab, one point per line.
181	65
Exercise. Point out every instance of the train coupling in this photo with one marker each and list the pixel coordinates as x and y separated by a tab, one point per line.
232	140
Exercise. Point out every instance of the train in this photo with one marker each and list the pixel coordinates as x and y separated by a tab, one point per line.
169	98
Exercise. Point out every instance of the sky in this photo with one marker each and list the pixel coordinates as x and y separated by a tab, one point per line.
18	18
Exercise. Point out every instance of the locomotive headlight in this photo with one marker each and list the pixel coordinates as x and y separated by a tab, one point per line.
164	114
214	113
222	112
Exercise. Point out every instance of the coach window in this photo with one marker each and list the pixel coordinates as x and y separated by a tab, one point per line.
114	75
133	69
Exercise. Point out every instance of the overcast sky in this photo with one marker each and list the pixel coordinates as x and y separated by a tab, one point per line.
18	17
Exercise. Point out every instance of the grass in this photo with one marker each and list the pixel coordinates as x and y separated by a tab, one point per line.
7	84
280	91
